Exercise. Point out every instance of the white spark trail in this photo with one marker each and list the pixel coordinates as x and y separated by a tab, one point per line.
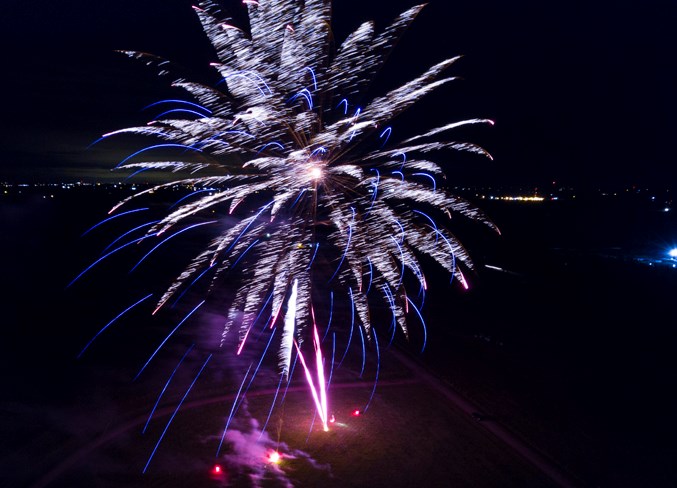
304	181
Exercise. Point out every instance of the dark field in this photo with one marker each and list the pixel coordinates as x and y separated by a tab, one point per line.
573	349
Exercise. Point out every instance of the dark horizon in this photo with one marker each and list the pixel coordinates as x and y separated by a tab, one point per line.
572	348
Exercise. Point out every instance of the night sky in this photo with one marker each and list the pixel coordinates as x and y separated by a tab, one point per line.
583	93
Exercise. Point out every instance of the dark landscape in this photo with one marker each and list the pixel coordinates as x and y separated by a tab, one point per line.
570	347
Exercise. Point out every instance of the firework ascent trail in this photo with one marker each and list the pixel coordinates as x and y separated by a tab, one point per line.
320	200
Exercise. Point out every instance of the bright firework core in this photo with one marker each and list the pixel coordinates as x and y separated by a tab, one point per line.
315	172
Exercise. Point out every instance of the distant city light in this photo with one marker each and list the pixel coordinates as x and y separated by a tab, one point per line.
517	198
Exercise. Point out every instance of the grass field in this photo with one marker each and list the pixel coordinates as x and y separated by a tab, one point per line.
409	436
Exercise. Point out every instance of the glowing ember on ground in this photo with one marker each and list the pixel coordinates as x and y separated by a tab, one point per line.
274	457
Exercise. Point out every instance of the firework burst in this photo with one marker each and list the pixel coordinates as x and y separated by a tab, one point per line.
323	201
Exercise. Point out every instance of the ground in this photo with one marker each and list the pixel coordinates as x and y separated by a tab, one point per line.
410	435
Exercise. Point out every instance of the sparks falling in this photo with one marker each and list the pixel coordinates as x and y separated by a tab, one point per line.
322	198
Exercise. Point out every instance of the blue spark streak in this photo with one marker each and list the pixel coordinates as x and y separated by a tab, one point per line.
401	229
343	257
331	313
191	284
232	410
165	388
364	352
199	224
427	176
148	224
105	256
155	146
244	252
136	173
404	158
95	142
244	74
391	300
274	143
270	339
333	354
167	338
305	94
301	193
111	218
375	185
425	330
188	196
270	295
378	367
319	150
175	412
182	110
387	132
249	225
272	406
312	73
352	325
421	293
317	246
431	221
357	112
312	424
111	322
401	260
371	274
178	101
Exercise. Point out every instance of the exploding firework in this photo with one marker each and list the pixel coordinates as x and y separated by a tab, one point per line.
318	199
